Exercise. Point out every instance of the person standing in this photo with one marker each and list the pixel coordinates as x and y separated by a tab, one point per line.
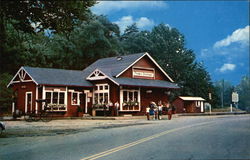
169	107
155	111
147	112
117	108
151	110
159	110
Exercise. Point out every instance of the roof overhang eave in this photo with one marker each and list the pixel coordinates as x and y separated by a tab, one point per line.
148	86
44	84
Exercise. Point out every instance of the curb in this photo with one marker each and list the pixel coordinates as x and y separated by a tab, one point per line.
212	114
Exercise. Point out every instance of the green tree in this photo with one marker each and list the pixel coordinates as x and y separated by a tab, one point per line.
35	16
244	91
130	31
86	43
167	46
5	93
224	90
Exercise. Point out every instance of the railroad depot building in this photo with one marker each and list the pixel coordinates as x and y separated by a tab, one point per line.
117	85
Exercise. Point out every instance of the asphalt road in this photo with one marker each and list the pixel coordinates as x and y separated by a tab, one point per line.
187	138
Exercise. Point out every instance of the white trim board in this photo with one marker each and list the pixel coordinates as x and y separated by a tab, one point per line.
101	78
26	103
22	68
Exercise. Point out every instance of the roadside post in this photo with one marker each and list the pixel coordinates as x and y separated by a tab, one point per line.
235	99
210	98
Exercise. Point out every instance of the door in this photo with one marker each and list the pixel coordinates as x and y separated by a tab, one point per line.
28	102
83	102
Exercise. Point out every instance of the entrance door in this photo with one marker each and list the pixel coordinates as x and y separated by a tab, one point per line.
28	102
83	102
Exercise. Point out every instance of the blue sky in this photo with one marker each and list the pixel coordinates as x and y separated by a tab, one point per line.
217	31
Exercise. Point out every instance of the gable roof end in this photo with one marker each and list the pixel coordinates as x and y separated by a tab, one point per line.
22	68
151	58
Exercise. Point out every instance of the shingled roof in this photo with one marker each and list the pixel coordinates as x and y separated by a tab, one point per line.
51	76
111	67
114	66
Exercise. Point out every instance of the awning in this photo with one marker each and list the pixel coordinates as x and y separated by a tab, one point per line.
191	98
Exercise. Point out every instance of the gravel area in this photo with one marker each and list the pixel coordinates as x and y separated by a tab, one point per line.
55	127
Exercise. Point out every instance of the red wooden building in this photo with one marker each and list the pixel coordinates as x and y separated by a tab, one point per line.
189	104
124	85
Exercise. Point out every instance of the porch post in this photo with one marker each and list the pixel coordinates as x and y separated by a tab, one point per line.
43	96
36	98
13	108
121	98
86	103
66	99
86	100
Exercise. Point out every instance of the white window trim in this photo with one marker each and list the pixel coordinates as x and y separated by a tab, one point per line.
78	98
51	98
130	90
101	91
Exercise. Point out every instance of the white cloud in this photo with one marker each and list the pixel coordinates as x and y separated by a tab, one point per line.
204	52
227	67
105	7
144	22
141	22
240	35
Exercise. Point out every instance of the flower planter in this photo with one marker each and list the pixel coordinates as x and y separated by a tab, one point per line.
80	114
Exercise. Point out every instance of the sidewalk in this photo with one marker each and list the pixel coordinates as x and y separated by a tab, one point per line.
134	117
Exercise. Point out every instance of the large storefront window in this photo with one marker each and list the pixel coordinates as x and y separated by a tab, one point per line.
130	100
101	94
56	100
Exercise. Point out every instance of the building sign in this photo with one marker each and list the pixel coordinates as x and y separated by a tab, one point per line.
143	73
235	97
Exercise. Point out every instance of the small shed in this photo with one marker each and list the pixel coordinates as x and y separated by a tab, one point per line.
189	104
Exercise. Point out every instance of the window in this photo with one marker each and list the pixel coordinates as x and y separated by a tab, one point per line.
75	98
56	100
125	96
130	95
55	97
48	97
198	103
61	98
101	94
130	100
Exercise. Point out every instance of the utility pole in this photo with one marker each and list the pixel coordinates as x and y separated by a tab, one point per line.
222	94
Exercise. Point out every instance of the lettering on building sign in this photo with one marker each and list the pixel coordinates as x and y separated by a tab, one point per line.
141	73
